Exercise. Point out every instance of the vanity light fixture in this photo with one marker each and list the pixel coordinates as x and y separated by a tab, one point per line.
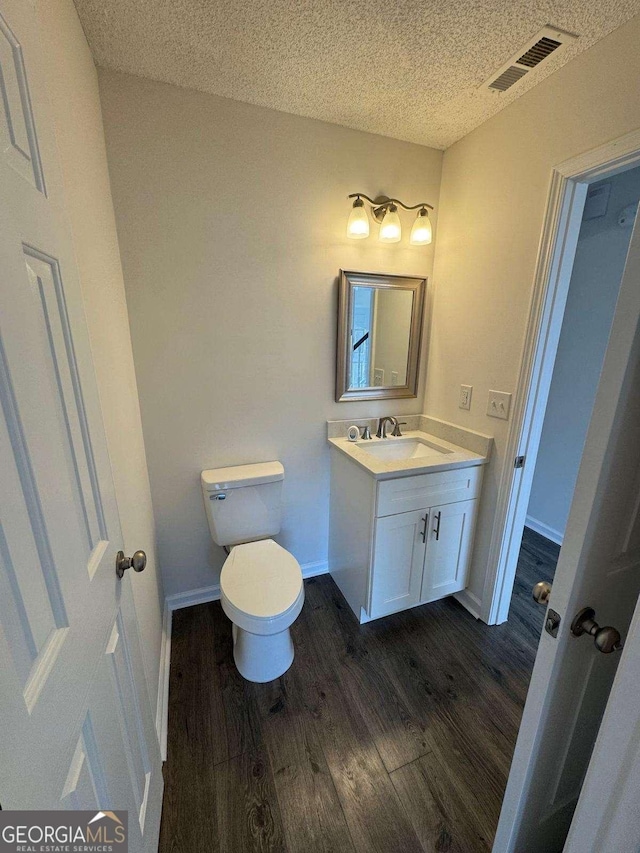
385	211
390	227
358	224
421	232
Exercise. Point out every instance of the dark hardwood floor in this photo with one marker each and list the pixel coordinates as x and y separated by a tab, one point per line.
391	736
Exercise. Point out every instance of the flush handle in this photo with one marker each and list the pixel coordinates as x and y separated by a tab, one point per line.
606	639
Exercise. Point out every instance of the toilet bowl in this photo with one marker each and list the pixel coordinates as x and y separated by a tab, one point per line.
261	587
262	593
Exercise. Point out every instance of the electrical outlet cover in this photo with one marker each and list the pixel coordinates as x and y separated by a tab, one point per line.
465	396
499	404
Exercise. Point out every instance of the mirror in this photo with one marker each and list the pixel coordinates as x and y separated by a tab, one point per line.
379	330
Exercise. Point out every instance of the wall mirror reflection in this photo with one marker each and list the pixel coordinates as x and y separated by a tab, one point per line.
380	320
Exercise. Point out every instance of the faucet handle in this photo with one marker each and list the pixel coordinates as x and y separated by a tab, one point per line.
366	432
396	429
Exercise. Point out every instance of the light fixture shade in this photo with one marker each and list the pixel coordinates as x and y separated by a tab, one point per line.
390	227
358	224
421	232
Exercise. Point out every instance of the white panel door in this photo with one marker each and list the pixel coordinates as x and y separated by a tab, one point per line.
449	540
397	561
599	567
607	812
77	726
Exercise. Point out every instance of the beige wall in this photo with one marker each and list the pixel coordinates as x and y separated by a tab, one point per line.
231	220
73	91
494	192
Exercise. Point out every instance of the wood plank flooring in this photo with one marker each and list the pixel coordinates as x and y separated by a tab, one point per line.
391	736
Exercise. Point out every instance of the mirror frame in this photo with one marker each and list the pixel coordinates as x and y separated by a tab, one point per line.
350	279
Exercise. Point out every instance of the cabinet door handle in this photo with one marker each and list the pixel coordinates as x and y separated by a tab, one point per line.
436	529
423	532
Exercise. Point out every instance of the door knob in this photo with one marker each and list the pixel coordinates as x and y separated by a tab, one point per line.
137	562
606	639
541	592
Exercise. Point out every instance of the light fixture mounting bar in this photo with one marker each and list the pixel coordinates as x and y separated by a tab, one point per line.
383	201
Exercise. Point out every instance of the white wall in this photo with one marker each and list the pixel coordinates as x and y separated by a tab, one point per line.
597	270
494	192
72	86
231	220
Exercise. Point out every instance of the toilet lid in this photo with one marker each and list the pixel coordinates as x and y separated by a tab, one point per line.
261	579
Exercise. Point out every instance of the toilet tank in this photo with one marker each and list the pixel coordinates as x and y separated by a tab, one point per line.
243	503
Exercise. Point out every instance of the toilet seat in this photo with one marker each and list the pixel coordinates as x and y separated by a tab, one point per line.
261	587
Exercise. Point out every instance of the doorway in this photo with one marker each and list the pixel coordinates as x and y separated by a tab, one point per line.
570	182
603	241
597	572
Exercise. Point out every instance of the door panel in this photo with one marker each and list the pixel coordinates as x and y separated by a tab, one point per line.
17	127
79	727
46	282
128	713
448	549
397	562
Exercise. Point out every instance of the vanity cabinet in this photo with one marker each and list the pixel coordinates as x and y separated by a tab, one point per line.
420	556
399	542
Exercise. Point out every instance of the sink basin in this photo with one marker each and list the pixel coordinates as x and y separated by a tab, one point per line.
402	448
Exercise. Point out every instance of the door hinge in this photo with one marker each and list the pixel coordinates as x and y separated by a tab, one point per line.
519	463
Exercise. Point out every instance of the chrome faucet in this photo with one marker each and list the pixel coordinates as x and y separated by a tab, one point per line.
382	426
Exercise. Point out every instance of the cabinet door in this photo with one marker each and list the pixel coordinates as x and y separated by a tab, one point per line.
398	561
449	540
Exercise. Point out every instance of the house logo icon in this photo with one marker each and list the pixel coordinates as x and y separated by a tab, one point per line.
111	815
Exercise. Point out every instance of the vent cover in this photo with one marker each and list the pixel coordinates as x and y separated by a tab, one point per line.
540	50
530	56
508	78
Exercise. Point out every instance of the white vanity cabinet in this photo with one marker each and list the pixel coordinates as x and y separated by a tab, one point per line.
399	542
420	556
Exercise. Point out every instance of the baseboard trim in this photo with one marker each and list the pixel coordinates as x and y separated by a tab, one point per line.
204	594
470	602
544	530
178	600
162	707
312	570
201	595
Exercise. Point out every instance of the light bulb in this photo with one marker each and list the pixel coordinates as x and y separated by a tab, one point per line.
421	233
358	224
390	227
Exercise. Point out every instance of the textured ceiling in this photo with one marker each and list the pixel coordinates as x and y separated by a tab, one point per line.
408	69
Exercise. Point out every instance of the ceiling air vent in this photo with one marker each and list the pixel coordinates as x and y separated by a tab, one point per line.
549	40
540	50
508	78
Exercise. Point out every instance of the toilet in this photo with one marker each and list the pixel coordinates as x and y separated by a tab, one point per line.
261	588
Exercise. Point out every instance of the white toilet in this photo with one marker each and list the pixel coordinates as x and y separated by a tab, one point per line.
261	587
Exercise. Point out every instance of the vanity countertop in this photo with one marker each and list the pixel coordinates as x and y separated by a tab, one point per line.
445	454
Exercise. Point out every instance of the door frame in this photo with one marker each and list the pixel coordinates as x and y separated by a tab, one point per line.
556	254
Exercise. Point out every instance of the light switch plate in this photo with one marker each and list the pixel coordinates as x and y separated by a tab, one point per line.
499	404
465	396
